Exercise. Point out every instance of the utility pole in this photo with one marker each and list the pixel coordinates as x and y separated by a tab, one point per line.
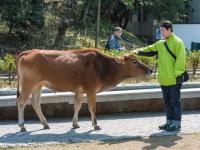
98	21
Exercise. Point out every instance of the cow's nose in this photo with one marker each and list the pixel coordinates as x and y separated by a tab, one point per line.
150	71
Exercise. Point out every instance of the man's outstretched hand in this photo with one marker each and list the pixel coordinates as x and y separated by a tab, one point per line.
135	51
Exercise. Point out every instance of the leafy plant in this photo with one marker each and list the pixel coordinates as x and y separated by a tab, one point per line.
7	65
193	59
23	14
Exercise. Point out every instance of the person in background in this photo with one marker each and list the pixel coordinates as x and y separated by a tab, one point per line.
169	69
113	43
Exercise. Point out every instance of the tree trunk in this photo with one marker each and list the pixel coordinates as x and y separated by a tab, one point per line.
62	28
84	15
108	12
65	23
59	41
123	20
98	21
195	66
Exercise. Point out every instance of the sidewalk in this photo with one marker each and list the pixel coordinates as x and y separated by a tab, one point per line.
118	126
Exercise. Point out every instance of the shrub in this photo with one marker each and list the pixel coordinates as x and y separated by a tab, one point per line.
7	65
193	59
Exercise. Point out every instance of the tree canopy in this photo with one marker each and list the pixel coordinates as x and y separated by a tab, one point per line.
25	17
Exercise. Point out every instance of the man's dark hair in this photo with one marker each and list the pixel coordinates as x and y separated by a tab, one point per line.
118	29
167	25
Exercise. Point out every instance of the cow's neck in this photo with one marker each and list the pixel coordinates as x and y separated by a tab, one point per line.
119	74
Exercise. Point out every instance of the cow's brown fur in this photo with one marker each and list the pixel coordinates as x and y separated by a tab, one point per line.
80	71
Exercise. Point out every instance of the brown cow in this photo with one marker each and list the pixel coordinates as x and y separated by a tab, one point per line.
80	71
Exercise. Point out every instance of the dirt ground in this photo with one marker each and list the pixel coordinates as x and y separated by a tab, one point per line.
179	142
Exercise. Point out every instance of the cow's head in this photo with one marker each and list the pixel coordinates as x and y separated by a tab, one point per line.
136	68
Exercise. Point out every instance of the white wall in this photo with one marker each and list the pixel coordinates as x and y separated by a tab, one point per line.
188	33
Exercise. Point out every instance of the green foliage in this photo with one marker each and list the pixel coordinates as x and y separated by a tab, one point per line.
27	17
128	3
173	10
133	41
150	61
193	59
7	64
105	29
116	53
1	65
23	14
75	37
75	42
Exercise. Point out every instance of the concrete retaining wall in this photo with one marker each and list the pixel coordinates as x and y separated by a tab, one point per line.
108	102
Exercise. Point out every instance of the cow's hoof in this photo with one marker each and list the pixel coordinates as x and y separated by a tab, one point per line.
23	130
75	126
97	128
46	127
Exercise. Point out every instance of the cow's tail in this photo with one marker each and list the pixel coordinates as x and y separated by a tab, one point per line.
18	93
17	69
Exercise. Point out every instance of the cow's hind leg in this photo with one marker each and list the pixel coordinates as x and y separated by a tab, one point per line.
35	99
21	103
77	107
91	98
21	106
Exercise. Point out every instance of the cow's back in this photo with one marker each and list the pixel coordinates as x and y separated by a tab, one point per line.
62	70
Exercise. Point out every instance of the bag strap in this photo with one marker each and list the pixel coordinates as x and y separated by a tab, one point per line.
170	52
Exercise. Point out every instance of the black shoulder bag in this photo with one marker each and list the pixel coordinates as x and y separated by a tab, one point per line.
184	76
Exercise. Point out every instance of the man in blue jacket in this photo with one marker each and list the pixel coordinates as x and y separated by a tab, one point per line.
113	43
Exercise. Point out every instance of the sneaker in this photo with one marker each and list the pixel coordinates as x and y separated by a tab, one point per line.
173	128
163	127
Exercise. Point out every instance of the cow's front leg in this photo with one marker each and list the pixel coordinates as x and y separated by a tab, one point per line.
77	107
91	98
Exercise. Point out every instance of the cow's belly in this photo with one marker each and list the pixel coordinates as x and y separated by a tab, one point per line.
62	86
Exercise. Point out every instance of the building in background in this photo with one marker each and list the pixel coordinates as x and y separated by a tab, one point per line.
194	12
142	22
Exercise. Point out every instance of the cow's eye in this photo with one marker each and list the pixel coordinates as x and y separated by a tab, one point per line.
135	62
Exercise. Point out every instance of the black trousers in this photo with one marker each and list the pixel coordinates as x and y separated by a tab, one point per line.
171	95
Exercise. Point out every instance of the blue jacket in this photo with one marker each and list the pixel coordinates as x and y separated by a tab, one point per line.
113	43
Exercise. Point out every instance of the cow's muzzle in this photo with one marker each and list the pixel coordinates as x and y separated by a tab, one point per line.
149	72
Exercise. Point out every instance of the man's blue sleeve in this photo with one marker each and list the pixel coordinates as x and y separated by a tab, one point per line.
111	44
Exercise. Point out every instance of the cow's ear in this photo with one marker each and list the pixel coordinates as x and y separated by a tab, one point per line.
133	56
127	58
119	60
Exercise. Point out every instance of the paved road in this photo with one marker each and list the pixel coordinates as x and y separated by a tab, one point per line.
118	126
